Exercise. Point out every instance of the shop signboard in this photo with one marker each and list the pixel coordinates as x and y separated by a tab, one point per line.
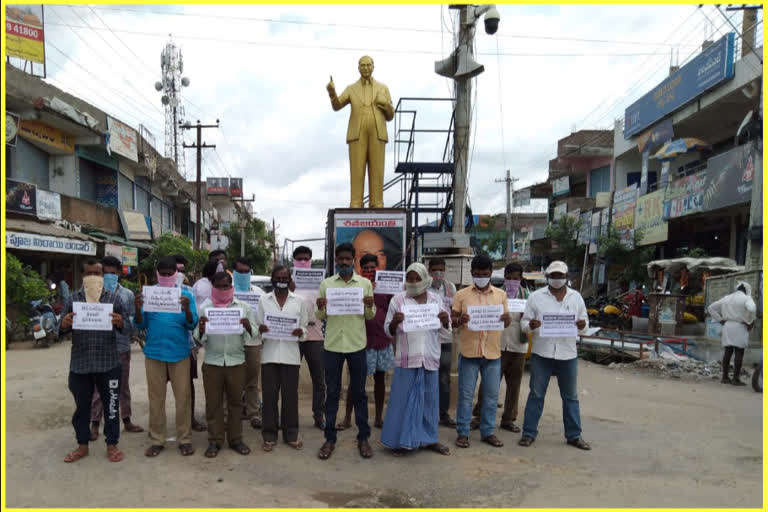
560	186
48	205
217	186
653	138
624	202
130	256
729	178
20	197
50	138
44	243
236	187
114	250
24	32
709	69
649	217
122	139
560	210
685	196
585	228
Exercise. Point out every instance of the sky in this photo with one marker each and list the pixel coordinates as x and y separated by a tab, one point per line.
262	71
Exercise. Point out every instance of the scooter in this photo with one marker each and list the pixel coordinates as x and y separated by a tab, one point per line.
43	323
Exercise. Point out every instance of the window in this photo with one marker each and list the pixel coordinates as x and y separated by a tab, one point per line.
599	180
142	200
125	191
30	164
157	209
633	178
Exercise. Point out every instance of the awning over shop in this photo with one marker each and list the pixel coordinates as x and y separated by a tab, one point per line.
119	240
135	225
36	236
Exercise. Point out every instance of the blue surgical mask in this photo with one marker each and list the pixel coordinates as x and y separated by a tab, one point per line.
344	271
242	281
110	282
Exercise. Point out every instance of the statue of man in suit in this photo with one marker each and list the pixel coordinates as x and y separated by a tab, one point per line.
366	133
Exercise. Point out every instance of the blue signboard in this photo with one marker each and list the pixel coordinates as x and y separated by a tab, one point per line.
707	70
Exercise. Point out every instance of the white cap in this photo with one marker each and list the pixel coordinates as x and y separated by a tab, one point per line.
557	266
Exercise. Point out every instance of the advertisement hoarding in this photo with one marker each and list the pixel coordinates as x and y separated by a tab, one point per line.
381	234
24	33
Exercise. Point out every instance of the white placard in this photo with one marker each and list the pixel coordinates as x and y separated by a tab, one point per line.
389	282
308	278
558	325
280	326
161	299
48	205
91	316
250	298
485	318
224	321
516	305
421	317
344	301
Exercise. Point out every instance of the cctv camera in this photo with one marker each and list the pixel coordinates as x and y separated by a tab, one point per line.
491	21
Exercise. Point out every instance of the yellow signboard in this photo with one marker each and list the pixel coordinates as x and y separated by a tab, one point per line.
649	216
51	137
24	36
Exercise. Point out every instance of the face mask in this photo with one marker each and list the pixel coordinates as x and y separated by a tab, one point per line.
302	264
556	283
437	277
416	289
281	285
110	282
481	282
242	281
344	271
167	281
369	275
222	298
93	286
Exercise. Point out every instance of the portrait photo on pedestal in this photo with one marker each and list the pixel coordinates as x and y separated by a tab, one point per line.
381	234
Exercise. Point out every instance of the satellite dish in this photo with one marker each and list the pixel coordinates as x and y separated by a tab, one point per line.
164	99
185	82
158	86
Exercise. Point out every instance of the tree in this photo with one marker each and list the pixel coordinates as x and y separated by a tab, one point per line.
633	260
22	285
259	244
564	232
169	245
495	244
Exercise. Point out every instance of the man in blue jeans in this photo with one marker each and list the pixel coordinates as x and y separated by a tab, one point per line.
480	350
554	355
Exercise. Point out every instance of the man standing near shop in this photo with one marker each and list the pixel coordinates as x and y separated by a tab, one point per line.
446	290
111	267
737	313
345	340
554	355
94	363
480	353
167	357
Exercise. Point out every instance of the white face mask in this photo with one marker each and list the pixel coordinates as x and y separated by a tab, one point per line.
556	283
481	282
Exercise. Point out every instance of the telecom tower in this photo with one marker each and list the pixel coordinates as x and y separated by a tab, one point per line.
172	66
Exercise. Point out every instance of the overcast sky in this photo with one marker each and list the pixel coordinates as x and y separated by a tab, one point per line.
262	71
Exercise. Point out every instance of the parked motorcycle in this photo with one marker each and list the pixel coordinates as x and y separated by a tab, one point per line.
43	324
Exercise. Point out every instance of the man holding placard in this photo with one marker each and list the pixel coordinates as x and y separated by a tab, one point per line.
282	322
169	314
225	326
554	315
245	293
94	314
346	301
446	290
481	313
416	319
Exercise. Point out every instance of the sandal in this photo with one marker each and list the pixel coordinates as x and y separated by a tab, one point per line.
439	448
212	450
268	446
240	447
296	445
579	443
365	449
154	450
462	442
493	441
511	427
326	450
75	456
186	449
114	454
130	427
526	441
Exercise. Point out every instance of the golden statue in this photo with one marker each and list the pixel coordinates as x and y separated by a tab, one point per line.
366	133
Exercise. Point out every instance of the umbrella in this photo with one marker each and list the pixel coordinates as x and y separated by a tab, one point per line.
675	148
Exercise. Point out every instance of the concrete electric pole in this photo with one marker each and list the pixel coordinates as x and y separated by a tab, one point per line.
199	146
510	186
462	68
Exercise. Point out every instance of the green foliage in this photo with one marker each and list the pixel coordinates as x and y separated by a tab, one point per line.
695	252
633	262
22	285
259	244
131	285
564	233
169	245
494	245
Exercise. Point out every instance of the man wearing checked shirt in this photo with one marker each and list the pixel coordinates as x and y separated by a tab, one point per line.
345	339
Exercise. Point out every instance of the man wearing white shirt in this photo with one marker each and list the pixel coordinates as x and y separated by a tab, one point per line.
554	355
280	362
446	290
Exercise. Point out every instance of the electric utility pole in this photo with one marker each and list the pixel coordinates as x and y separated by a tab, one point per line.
509	184
199	146
243	214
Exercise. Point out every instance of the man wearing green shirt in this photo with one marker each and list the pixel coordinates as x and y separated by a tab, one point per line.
345	339
224	367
